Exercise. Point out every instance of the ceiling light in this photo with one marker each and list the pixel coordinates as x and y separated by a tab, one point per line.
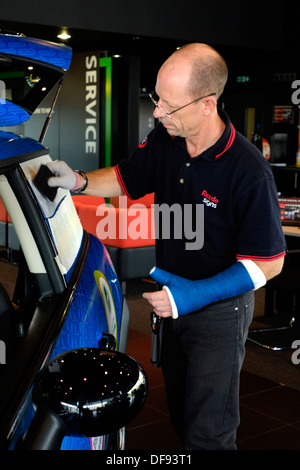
64	35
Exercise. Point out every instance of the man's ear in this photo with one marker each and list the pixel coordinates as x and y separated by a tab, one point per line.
209	105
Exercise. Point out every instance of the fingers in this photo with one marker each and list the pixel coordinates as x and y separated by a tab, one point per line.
59	167
55	166
160	303
54	182
64	176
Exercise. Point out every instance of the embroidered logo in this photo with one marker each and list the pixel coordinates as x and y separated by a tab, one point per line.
208	200
144	143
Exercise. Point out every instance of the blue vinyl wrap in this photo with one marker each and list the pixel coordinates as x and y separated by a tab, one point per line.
12	115
58	55
85	322
13	145
40	51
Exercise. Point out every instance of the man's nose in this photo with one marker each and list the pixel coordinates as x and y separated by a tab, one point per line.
158	113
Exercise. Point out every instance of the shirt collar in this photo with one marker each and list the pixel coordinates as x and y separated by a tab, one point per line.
222	145
227	138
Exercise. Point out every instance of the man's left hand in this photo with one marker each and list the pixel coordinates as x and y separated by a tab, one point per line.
160	302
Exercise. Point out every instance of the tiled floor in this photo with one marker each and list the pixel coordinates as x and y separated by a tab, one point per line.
270	412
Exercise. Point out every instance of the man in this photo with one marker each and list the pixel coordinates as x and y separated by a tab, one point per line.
194	156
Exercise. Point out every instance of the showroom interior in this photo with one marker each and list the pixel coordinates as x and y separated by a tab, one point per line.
130	40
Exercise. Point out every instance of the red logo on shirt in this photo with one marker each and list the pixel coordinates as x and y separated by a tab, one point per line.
143	144
209	200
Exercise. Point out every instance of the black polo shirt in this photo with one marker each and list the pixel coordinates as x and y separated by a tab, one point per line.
231	179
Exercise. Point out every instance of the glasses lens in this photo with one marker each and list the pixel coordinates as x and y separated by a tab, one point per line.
155	99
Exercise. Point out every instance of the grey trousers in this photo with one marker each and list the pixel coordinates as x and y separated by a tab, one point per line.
202	356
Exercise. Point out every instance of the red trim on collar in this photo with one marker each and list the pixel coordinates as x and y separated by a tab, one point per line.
229	143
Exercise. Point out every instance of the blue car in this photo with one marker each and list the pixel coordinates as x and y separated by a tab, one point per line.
63	335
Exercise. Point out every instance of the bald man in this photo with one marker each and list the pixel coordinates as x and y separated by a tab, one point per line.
194	157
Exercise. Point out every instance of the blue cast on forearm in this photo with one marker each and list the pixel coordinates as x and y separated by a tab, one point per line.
189	296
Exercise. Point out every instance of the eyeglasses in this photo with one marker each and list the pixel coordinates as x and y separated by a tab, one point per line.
155	99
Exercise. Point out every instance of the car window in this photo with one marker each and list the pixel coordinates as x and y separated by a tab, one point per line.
61	217
24	82
29	70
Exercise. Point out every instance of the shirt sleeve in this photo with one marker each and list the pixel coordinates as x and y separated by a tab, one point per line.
137	174
260	236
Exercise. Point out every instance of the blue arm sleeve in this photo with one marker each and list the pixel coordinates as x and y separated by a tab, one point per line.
187	296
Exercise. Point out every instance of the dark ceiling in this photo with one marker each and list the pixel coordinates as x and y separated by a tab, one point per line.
84	40
246	38
257	25
152	51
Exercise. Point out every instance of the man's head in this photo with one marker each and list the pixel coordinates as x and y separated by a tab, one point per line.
191	72
206	69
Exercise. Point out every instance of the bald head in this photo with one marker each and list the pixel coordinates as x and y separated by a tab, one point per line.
203	68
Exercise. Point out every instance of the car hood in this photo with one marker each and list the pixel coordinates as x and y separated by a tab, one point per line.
29	70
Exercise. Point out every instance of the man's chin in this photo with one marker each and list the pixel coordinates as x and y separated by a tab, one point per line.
170	129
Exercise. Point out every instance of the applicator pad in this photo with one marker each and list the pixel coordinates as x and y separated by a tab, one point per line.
41	182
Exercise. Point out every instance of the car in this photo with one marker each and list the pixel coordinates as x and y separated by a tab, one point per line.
68	320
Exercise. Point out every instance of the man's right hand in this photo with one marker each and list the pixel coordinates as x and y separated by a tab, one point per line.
64	177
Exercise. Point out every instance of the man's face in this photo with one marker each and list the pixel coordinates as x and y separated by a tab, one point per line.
171	89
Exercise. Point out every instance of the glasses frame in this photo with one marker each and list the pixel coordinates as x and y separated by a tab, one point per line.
178	109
